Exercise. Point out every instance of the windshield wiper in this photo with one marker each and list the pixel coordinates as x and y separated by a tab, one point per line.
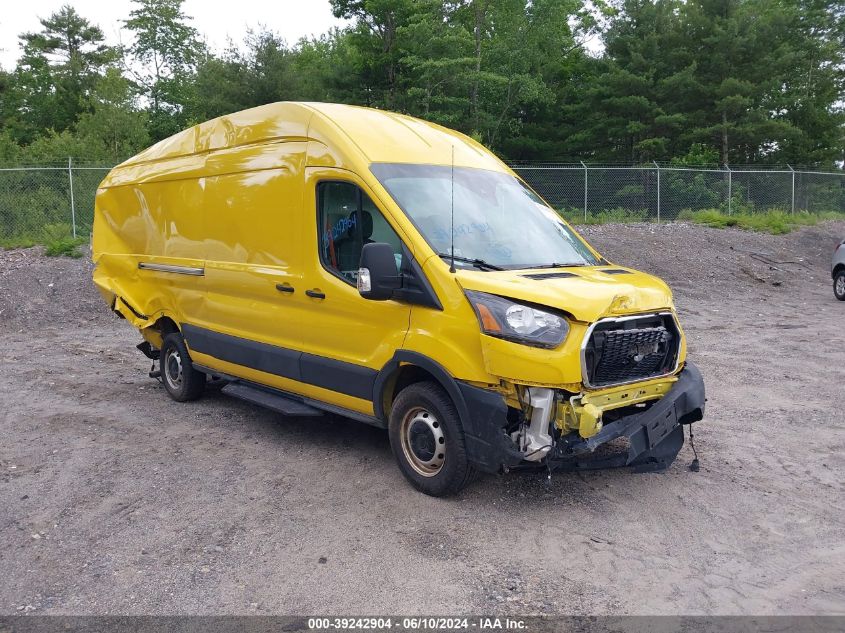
478	263
553	265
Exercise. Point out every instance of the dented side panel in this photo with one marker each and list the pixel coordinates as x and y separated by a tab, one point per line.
160	224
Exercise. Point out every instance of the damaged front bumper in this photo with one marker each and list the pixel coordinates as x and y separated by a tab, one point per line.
654	436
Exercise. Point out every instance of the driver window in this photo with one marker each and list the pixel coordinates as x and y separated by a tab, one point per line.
346	220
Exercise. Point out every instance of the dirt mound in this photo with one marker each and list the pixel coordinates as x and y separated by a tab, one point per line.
37	291
701	263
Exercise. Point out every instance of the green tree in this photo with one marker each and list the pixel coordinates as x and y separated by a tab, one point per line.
327	68
515	44
265	69
756	80
115	128
810	98
375	36
718	80
478	65
736	45
625	105
220	87
57	73
9	149
435	59
163	58
7	106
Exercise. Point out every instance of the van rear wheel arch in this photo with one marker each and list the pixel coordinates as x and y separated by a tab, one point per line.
155	333
165	325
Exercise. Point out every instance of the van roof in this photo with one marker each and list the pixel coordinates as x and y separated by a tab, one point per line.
375	135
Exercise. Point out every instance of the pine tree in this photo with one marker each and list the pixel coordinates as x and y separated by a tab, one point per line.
58	71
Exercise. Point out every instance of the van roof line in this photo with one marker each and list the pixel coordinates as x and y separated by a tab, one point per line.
378	135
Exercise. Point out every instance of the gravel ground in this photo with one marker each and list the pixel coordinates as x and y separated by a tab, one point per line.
116	500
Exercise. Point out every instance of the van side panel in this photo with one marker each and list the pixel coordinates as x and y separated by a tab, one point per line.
158	223
252	205
274	121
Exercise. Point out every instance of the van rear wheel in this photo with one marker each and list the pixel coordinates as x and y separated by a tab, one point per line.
181	381
427	440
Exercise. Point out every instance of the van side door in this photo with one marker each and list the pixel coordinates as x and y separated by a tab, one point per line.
345	338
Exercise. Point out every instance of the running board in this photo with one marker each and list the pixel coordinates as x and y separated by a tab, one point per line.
270	400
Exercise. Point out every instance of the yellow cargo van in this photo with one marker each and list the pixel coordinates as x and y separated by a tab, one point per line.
315	257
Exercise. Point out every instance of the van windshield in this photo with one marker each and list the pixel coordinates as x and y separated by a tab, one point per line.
498	223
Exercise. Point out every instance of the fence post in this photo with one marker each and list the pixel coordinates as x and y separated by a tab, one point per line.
793	187
585	190
730	186
72	202
658	190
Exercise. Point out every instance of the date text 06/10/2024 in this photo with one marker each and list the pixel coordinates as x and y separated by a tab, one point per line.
420	623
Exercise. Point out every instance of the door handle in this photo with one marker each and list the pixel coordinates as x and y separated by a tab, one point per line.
284	288
316	294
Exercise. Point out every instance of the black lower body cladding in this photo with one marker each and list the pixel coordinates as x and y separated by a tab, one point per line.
655	436
488	447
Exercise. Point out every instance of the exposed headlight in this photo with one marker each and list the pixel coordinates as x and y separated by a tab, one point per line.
517	322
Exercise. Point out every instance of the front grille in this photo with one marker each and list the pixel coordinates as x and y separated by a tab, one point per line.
630	349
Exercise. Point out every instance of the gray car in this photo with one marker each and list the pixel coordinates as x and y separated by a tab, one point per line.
838	271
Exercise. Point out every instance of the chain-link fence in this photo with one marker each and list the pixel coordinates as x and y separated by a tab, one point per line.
665	193
45	203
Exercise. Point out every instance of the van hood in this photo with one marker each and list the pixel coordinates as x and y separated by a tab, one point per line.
587	293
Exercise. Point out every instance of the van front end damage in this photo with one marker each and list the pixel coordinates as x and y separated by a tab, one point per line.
639	425
651	429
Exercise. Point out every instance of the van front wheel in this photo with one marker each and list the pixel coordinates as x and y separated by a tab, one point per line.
181	381
428	441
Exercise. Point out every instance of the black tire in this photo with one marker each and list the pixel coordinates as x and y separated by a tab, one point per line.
839	285
428	440
181	381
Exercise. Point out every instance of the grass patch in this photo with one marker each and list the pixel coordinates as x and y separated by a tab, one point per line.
57	238
64	247
773	222
58	241
17	242
605	216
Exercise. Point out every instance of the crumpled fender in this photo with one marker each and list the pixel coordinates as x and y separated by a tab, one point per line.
116	278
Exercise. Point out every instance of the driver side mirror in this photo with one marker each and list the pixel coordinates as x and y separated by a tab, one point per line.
378	277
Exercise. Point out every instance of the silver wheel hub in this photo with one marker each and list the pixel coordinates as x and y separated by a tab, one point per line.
423	442
840	285
172	368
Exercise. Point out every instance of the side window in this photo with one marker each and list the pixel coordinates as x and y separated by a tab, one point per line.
346	220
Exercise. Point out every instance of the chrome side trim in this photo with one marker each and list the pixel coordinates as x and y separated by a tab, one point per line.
585	379
172	268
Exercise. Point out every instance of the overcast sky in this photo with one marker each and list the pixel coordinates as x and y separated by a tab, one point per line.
215	20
